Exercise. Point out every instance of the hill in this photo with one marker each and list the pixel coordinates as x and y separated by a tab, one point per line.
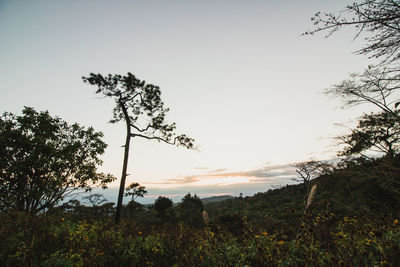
369	190
208	200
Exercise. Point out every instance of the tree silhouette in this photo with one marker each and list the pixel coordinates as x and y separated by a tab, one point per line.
375	86
43	159
161	205
379	21
139	104
95	200
135	190
375	132
191	209
308	170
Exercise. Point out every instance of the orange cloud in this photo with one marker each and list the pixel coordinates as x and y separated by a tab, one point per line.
221	177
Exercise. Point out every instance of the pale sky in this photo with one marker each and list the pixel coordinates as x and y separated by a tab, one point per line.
237	76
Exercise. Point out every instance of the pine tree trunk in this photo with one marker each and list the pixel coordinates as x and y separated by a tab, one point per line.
124	167
123	178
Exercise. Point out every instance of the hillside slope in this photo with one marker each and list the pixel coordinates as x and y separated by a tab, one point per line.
369	190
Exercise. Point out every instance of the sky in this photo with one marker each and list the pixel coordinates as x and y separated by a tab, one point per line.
237	76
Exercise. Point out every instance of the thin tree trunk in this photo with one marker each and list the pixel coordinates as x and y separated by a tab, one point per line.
124	167
123	178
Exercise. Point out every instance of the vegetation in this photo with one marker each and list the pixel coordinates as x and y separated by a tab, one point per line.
350	217
271	228
378	22
43	160
135	190
344	213
378	19
162	205
309	170
379	132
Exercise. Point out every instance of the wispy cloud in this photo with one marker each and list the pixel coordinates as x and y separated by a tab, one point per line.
220	177
217	170
199	195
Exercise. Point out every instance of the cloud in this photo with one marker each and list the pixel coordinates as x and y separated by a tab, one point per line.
219	177
202	195
217	170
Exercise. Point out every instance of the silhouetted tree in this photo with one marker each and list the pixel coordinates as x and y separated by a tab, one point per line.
379	132
161	205
135	190
191	209
380	21
374	86
309	170
140	106
43	160
95	200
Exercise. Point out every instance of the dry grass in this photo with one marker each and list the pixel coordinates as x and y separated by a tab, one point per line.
311	196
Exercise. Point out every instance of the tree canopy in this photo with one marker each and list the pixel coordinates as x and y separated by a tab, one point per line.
162	204
43	159
140	105
376	132
191	210
135	190
308	170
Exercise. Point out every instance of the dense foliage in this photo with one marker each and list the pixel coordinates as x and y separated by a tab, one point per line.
43	159
59	241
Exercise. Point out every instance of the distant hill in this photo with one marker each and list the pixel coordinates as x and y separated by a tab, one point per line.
208	200
369	190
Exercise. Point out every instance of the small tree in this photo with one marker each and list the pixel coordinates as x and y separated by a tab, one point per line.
140	106
95	200
309	170
135	190
161	205
191	209
43	160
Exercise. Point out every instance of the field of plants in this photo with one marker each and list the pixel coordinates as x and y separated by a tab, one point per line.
57	241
